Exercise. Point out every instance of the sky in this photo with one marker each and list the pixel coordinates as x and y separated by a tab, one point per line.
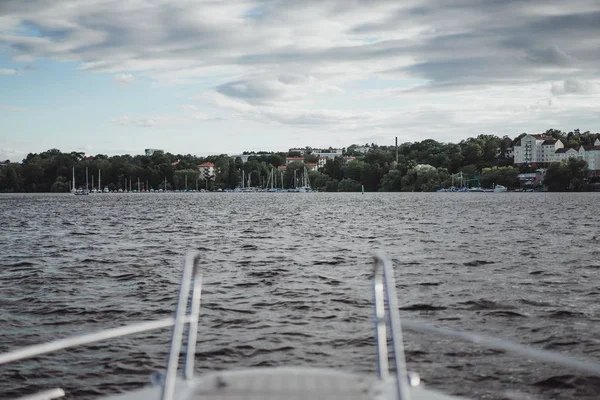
212	77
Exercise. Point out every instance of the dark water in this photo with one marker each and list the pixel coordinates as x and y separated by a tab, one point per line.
287	282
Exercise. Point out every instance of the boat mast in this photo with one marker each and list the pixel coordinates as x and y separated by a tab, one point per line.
99	181
165	183
92	181
243	178
87	186
130	184
186	182
73	178
138	184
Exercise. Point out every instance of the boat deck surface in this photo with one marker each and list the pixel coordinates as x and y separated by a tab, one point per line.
283	383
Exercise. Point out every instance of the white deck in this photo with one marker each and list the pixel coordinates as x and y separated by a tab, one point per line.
284	383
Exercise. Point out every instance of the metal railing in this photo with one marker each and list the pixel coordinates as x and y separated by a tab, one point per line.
191	273
384	289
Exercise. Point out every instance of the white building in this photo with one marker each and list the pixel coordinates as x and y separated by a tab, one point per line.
207	170
362	149
535	149
321	162
328	153
510	152
591	154
539	149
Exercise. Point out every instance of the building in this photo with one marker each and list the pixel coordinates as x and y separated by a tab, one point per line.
312	166
207	171
294	159
591	154
362	149
536	149
531	180
543	150
328	153
150	152
321	162
4	163
510	152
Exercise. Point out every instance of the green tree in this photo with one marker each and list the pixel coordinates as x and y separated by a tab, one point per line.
349	185
568	175
392	181
60	185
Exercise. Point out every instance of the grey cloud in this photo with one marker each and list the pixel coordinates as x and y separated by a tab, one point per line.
550	55
474	42
251	90
291	79
572	86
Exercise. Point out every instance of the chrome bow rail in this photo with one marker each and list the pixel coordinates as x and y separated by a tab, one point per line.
384	290
191	274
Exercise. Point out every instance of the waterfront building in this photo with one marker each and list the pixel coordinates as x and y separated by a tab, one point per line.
542	150
207	170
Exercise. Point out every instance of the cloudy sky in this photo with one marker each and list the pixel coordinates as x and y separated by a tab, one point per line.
205	77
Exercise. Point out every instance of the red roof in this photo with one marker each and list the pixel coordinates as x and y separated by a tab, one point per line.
207	164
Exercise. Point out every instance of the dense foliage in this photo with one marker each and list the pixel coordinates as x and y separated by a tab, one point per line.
421	166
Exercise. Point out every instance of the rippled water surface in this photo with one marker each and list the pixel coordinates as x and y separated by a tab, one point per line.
287	282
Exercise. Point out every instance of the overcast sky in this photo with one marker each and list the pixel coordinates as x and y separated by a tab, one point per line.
206	77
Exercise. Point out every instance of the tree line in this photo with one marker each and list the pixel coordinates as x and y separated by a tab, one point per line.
416	166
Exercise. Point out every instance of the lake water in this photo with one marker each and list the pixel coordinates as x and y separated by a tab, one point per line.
287	282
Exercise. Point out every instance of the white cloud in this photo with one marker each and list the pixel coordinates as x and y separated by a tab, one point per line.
353	68
140	122
8	71
123	79
13	108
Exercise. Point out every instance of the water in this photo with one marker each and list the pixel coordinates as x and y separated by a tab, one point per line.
287	281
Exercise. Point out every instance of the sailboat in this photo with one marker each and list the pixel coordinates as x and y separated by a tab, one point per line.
272	181
305	183
81	192
73	190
